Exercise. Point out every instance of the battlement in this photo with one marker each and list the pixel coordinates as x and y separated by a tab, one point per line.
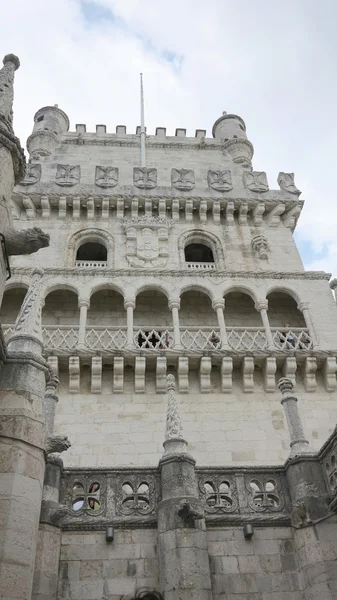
121	131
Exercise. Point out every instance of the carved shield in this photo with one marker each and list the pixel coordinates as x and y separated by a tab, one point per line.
183	179
147	244
106	177
256	181
33	175
144	178
287	183
221	181
67	175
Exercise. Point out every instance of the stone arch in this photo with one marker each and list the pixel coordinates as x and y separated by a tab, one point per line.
12	300
59	285
283	308
158	287
105	285
92	234
285	289
200	236
61	306
240	310
196	310
197	288
243	289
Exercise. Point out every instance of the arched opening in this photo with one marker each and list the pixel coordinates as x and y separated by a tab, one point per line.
106	321
60	320
152	321
10	307
198	322
198	253
287	322
243	323
91	254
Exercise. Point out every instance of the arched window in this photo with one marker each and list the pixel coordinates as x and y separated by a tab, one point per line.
198	253
199	250
91	252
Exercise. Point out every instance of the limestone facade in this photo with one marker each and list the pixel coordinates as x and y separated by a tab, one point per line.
172	293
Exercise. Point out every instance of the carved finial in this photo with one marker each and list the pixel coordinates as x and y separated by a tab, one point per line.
174	428
285	385
27	328
11	63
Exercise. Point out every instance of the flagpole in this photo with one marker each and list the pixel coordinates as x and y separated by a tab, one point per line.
142	128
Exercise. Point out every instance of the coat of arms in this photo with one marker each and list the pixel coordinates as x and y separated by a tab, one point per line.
67	175
221	181
147	241
106	177
33	174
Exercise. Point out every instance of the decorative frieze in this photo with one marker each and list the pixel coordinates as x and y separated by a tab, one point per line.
67	175
221	181
255	181
183	179
106	177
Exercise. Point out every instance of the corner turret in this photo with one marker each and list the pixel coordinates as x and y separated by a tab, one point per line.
231	130
50	123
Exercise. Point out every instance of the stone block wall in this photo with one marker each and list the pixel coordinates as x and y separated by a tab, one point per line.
263	568
92	569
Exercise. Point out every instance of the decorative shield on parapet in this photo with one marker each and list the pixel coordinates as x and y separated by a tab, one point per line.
287	183
67	175
255	181
147	241
221	181
144	178
183	179
33	174
106	177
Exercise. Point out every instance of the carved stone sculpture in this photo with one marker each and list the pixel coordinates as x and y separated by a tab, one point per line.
287	183
300	514
255	181
57	514
106	177
183	179
221	181
147	241
33	174
67	175
190	510
260	246
57	443
144	178
25	241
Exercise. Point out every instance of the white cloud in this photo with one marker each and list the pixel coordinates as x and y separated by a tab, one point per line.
272	63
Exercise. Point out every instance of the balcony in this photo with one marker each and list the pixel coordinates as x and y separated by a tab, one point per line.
91	264
250	339
200	266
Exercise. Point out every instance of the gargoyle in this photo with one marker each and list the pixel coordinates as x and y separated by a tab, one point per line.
25	241
57	514
190	513
300	514
57	443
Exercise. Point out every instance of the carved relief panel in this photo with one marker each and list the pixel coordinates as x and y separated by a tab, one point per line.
221	181
218	493
183	179
33	174
144	178
106	177
67	175
147	241
135	495
255	181
287	183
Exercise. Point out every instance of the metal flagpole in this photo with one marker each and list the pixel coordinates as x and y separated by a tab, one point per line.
142	128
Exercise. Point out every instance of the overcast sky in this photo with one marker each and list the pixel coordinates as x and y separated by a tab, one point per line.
273	63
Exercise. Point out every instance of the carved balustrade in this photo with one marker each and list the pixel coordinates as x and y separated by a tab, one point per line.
93	498
240	339
294	338
200	266
91	264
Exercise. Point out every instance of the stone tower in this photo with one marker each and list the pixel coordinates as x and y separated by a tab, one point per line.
174	293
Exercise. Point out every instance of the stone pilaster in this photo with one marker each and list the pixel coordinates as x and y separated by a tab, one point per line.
183	556
22	441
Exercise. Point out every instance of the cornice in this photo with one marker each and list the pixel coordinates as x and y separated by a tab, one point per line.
186	273
168	145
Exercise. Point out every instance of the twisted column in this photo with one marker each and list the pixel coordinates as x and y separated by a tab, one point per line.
298	443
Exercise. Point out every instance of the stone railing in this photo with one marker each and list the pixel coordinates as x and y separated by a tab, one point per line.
247	338
205	338
200	266
155	339
294	338
240	339
105	338
240	494
89	264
